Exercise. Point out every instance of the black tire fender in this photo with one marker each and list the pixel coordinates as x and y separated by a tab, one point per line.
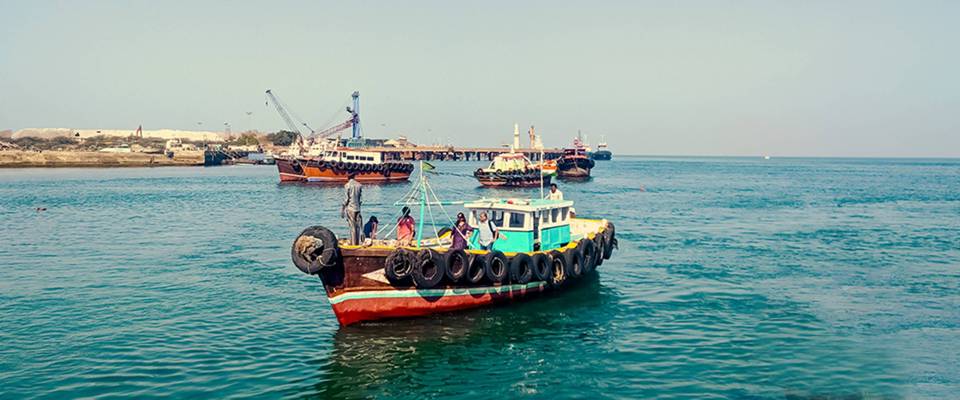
456	264
428	271
574	260
476	268
314	249
609	237
601	249
558	269
540	264
398	265
588	254
496	267
521	269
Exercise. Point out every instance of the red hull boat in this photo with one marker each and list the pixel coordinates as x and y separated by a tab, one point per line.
337	165
380	280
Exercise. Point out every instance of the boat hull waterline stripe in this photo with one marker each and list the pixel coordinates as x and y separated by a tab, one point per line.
374	294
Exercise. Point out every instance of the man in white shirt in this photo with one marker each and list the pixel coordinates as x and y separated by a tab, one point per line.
488	232
555	194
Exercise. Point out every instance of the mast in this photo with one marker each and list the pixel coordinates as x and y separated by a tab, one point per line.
541	172
423	205
356	114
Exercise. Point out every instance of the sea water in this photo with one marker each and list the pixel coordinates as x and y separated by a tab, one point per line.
735	278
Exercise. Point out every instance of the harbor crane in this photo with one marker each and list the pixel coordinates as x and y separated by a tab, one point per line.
282	109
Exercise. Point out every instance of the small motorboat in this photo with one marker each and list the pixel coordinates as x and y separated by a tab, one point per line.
512	170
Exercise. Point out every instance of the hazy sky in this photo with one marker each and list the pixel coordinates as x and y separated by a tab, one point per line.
859	78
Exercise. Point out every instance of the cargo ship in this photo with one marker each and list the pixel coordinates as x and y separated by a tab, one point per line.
542	247
602	153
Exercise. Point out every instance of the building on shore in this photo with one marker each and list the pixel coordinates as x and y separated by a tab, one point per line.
80	134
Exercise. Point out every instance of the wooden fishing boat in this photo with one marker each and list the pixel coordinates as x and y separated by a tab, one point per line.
337	164
512	170
541	248
320	157
574	163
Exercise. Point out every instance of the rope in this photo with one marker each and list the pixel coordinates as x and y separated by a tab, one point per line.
444	210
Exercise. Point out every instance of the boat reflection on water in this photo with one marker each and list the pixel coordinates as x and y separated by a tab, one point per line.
438	356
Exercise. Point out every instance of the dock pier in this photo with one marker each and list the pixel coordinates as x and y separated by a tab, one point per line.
440	153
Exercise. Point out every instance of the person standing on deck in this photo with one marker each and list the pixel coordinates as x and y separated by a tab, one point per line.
488	232
405	230
461	233
351	207
555	194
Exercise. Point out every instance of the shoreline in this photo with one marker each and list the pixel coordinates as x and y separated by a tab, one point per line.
91	159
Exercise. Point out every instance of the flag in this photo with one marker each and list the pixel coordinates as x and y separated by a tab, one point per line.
427	166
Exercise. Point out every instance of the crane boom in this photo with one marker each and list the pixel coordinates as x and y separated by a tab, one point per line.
285	115
334	129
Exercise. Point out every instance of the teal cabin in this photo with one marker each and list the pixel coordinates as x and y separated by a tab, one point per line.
525	225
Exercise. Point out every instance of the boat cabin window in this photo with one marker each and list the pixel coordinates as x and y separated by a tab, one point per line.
555	213
546	217
517	219
350	157
564	213
496	217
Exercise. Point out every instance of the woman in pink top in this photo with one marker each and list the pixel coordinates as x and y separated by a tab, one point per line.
405	229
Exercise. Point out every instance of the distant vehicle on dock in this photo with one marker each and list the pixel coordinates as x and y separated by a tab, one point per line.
512	170
540	246
602	153
337	164
574	163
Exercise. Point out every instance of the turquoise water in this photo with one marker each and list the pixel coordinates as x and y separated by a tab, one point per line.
736	278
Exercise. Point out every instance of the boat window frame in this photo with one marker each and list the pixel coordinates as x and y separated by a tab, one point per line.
517	220
496	216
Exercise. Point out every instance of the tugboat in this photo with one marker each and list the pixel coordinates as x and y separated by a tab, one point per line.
542	248
512	170
325	160
602	154
574	163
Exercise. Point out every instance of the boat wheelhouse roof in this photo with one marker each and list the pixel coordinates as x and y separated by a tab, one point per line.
527	205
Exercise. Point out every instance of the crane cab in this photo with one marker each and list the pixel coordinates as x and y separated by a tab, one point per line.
525	225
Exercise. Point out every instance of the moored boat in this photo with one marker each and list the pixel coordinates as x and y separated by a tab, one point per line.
512	170
541	248
337	164
574	163
321	157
